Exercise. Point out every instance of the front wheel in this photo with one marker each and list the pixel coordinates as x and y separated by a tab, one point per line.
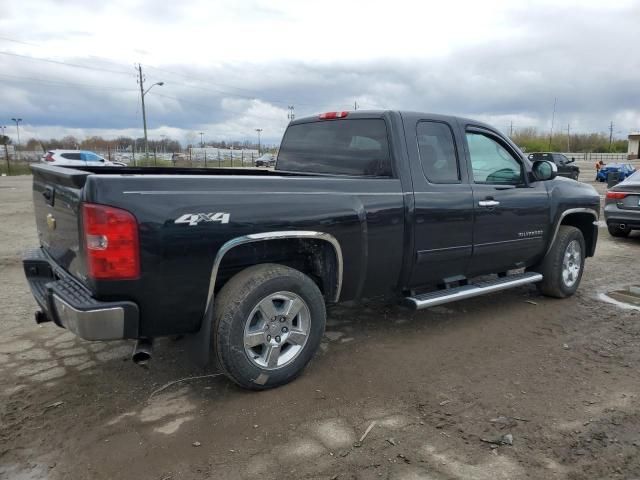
269	321
563	265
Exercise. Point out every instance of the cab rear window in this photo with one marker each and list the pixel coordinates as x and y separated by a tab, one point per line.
341	147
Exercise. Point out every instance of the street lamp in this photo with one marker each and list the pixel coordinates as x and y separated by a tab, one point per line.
144	113
259	130
17	120
201	141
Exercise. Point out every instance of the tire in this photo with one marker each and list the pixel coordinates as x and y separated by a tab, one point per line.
561	279
616	231
239	308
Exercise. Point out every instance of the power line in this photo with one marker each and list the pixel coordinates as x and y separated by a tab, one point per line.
67	64
201	105
56	83
252	94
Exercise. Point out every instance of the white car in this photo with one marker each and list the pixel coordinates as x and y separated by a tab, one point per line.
77	158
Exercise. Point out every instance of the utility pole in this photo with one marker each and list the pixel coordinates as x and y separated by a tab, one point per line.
144	113
553	117
6	149
610	135
511	129
568	137
17	120
291	115
6	156
259	130
201	141
355	105
143	92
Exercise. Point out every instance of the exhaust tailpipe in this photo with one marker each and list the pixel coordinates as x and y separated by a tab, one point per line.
142	351
622	226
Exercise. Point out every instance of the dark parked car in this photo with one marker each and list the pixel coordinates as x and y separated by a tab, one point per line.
622	207
432	208
565	169
623	169
266	160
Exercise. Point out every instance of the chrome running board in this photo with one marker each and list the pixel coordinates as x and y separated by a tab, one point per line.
431	299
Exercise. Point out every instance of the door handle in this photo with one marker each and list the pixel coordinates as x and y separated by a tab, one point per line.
488	203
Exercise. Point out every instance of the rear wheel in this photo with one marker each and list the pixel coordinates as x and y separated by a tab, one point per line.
616	231
563	265
269	321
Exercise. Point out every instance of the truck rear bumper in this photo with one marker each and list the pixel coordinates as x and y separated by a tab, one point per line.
70	305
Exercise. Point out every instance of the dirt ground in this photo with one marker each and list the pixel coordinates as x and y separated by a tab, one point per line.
558	378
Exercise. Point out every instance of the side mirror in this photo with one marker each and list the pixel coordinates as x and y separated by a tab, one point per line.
544	170
573	159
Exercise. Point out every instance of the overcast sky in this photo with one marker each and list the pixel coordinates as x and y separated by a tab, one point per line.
230	66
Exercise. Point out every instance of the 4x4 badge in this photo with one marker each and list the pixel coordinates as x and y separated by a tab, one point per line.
195	218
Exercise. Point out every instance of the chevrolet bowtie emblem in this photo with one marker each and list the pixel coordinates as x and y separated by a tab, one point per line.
51	222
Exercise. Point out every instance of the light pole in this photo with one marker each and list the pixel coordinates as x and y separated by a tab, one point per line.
143	92
17	120
164	143
259	130
201	141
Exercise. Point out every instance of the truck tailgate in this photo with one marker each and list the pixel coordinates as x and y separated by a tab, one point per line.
57	193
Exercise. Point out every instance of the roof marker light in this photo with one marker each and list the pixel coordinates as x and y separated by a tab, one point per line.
332	115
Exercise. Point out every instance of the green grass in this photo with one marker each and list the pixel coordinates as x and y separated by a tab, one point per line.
19	168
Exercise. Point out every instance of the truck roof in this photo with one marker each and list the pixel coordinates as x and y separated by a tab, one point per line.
403	113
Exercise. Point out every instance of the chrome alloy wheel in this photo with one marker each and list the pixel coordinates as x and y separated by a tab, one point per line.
571	263
277	330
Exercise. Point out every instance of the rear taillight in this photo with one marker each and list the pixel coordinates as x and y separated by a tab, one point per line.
49	157
332	115
111	240
616	195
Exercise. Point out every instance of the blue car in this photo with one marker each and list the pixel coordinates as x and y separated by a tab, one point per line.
625	169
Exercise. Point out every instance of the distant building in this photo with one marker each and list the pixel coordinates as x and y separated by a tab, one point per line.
633	150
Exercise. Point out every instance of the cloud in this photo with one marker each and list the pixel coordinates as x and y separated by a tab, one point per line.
231	67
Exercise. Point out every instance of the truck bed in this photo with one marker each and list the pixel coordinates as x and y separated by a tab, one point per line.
366	216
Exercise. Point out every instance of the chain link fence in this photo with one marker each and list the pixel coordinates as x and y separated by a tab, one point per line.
16	162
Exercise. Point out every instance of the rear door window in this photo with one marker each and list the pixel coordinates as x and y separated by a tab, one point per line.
71	156
342	147
437	152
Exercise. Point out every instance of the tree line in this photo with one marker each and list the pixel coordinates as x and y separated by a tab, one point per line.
533	140
119	144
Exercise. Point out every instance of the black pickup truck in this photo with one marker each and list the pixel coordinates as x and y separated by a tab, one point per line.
430	208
